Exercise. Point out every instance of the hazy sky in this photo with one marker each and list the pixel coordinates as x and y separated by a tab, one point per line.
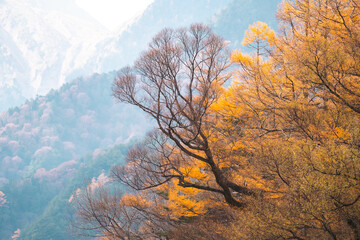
112	13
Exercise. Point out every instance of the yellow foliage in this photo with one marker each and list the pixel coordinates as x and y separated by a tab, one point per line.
135	200
259	32
183	202
288	127
239	57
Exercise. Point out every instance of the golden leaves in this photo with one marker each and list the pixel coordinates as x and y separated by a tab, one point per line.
257	33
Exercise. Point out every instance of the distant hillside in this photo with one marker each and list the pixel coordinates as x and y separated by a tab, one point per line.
64	125
42	142
43	48
42	209
41	41
124	47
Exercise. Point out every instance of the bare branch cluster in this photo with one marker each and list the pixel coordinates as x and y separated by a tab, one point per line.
176	81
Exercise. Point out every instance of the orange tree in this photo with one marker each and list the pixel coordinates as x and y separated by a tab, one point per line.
273	156
295	103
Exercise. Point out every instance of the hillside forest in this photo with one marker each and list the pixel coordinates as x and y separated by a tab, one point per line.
264	144
54	144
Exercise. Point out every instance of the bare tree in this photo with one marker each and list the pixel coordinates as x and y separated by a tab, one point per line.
175	82
104	212
100	213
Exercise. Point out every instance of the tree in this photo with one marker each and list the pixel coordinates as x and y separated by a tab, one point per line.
178	167
110	214
175	82
301	98
273	156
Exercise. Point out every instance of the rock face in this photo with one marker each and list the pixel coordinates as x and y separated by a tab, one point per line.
41	42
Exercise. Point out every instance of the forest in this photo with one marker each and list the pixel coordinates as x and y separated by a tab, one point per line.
71	130
258	143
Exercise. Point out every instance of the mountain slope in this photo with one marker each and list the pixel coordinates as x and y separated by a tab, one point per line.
39	42
64	125
122	48
42	142
45	44
55	209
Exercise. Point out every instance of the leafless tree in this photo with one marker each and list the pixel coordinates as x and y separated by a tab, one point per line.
175	82
103	212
